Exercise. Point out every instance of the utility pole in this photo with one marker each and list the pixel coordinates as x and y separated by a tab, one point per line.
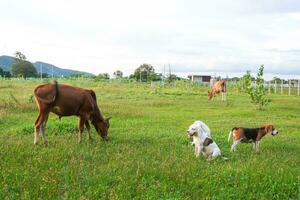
281	88
52	72
298	87
290	87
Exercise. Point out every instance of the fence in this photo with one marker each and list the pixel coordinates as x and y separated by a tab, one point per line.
290	88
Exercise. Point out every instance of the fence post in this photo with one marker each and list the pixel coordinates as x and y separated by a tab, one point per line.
275	87
281	87
289	87
298	87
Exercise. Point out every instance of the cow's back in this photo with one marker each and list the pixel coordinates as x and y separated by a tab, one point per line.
219	86
64	100
73	101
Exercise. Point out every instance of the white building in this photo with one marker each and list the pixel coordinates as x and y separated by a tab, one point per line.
200	78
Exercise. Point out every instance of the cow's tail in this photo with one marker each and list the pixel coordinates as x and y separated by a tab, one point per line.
46	100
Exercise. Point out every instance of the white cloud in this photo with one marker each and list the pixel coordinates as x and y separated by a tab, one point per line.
102	36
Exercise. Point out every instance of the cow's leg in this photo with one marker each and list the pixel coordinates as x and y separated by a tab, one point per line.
88	128
36	129
39	124
43	128
223	96
81	127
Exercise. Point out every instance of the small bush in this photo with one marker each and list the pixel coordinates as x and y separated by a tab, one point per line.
256	92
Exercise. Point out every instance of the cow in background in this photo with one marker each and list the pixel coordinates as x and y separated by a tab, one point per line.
218	87
65	100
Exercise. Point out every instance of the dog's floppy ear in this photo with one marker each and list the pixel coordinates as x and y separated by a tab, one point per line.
201	128
268	128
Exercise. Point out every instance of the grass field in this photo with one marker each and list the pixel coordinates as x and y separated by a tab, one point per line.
148	155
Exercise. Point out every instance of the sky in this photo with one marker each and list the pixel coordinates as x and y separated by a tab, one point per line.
192	36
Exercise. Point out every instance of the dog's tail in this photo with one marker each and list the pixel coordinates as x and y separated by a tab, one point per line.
229	136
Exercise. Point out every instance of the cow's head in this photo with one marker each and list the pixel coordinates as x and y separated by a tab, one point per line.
210	94
102	128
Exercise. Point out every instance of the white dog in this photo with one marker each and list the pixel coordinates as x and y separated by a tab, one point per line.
200	133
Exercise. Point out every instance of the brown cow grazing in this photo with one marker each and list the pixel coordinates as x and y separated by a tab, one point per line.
218	87
65	100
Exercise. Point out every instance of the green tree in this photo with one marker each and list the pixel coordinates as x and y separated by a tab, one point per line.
24	69
144	72
118	74
245	83
277	80
102	76
1	71
171	78
45	75
77	75
19	56
256	92
4	73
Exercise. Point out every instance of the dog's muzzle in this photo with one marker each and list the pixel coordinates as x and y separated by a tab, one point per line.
190	135
274	132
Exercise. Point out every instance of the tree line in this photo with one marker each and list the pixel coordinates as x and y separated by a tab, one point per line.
144	73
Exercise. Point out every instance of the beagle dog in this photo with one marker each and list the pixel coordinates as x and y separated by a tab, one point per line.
247	135
200	133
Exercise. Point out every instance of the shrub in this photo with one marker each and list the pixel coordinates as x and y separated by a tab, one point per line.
256	92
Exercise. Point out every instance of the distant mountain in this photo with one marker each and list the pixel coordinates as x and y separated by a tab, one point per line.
7	61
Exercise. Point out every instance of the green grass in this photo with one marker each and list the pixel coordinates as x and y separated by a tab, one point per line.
148	155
